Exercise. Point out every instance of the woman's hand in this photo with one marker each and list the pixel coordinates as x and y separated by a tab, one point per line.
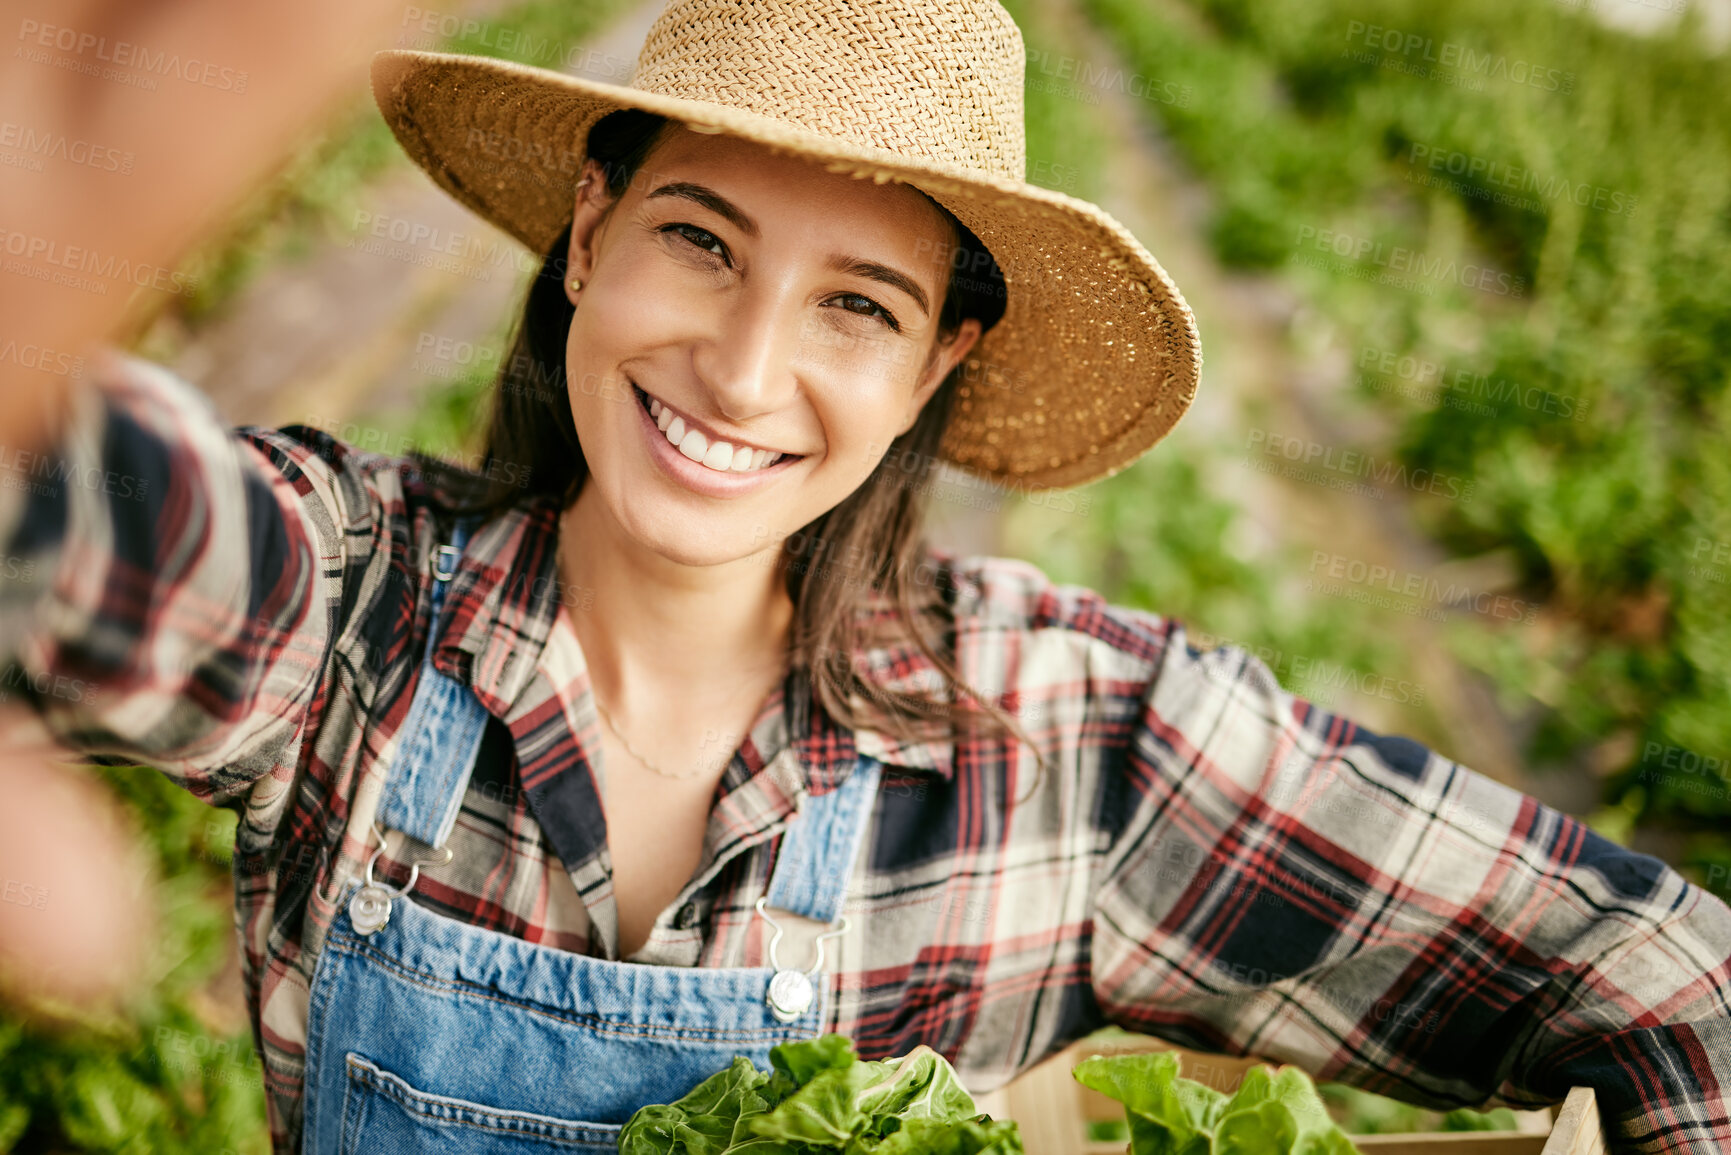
234	84
75	895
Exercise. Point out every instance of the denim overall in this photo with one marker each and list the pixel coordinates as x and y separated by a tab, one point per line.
426	1034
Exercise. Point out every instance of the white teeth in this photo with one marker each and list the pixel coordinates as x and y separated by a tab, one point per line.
721	456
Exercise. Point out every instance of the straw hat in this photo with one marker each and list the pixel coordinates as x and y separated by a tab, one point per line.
1096	356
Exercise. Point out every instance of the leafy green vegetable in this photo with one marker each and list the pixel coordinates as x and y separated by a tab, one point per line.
1271	1114
820	1096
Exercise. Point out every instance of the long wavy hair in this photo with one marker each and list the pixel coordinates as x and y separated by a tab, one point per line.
531	445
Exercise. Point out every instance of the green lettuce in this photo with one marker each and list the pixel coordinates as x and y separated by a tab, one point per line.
820	1096
1270	1114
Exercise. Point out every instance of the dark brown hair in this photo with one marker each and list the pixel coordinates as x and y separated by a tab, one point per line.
872	540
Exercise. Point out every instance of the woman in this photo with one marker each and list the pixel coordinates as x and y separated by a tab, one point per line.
663	738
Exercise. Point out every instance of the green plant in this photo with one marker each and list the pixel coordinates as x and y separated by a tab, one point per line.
820	1096
1171	1115
1355	1111
1365	1113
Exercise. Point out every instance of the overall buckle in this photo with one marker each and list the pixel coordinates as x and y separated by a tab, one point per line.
791	991
370	908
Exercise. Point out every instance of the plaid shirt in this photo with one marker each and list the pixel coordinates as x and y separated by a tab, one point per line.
1210	859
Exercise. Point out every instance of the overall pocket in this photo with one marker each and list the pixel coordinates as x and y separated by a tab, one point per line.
382	1113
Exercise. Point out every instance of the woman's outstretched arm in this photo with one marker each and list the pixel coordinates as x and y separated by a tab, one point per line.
169	594
1289	884
178	592
173	593
193	149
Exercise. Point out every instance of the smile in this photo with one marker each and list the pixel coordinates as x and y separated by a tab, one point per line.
704	447
703	462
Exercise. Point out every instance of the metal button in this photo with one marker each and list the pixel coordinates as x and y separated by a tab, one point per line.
370	909
790	995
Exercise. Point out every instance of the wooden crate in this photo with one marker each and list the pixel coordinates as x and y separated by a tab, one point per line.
1053	1111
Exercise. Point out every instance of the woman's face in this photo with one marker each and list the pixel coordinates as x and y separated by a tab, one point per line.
772	308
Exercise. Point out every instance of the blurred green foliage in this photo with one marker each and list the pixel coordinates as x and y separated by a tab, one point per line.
1615	306
1162	535
454	419
316	187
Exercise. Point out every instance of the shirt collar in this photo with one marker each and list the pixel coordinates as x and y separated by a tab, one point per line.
501	604
505	595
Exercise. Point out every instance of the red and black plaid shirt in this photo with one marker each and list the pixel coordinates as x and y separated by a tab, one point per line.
1212	859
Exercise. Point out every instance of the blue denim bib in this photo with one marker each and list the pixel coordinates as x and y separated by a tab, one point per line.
428	1034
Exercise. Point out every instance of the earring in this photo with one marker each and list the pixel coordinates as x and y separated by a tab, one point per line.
577	283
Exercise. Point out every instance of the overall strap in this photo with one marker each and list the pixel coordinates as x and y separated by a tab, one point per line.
818	850
442	733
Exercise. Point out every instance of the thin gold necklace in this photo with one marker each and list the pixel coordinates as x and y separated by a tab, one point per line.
632	750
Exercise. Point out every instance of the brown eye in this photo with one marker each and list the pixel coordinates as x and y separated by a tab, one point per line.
699	238
866	307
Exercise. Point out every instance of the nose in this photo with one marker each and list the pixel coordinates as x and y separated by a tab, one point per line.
746	360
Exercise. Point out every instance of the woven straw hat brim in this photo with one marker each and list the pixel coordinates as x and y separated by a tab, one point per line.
1096	356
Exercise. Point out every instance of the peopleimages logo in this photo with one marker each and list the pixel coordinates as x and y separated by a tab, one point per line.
44	145
1482	394
125	54
1484	171
1359	463
43	473
1418	52
77	259
33	356
1055	70
1405	583
434	27
1400	259
468	254
1315	678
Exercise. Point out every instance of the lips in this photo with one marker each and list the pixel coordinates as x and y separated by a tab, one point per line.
712	452
697	478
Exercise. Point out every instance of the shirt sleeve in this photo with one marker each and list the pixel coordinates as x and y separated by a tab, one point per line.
173	585
1288	884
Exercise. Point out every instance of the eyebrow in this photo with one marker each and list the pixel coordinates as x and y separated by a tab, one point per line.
734	215
709	199
883	274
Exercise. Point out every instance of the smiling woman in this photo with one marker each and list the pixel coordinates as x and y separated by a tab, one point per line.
667	738
859	353
741	335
